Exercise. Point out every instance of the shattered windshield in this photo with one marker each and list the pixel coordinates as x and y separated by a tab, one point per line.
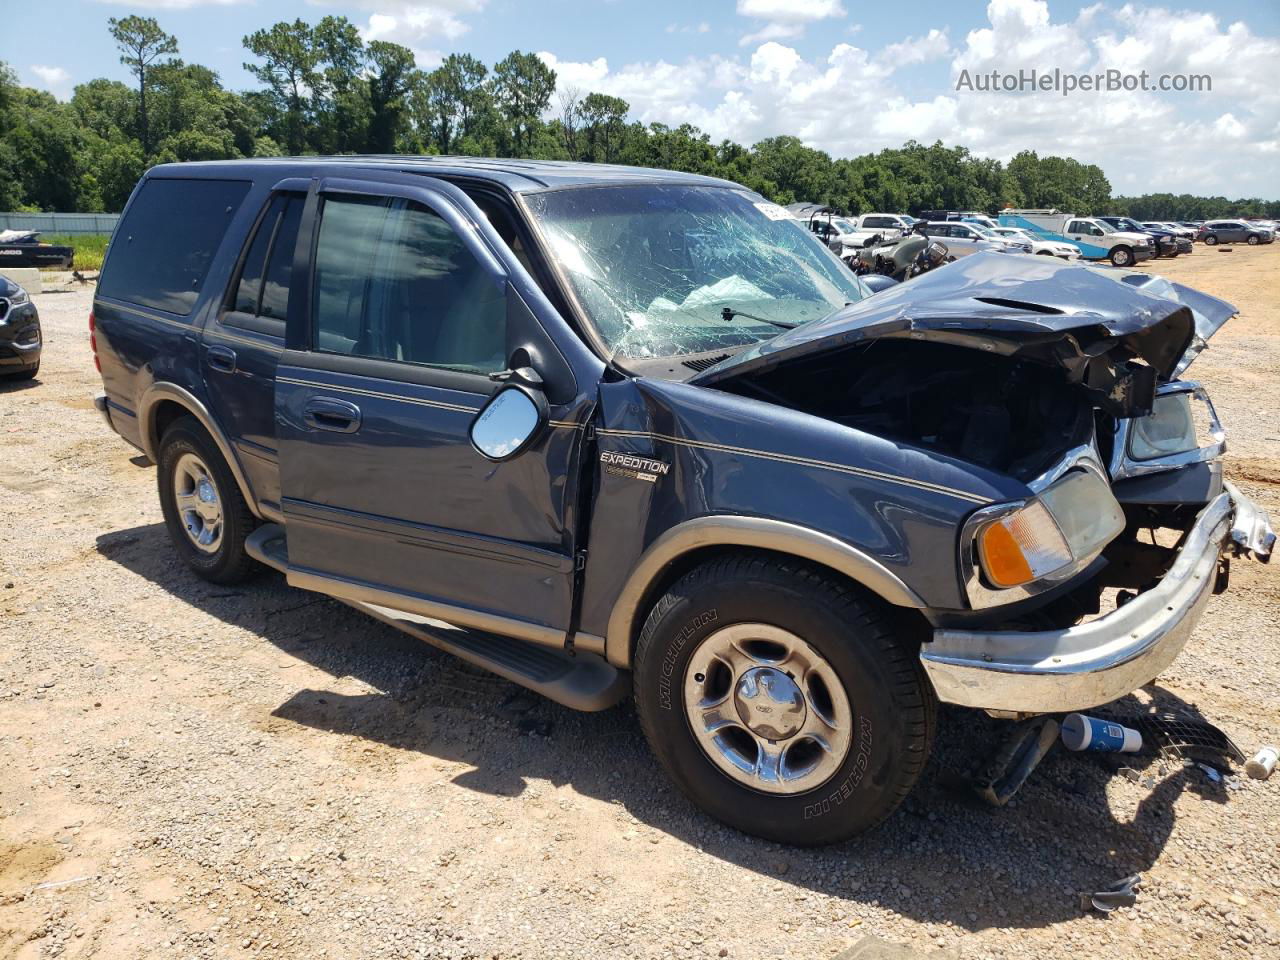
664	270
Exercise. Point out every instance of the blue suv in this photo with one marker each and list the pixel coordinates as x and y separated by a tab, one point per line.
605	430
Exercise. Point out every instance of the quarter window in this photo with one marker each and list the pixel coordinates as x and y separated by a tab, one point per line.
393	281
261	299
162	250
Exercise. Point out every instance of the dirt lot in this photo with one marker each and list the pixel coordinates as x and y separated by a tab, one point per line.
195	771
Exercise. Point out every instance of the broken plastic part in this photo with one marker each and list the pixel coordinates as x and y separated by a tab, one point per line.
1123	893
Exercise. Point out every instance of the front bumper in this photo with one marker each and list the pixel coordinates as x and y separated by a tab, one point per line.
1143	253
1093	663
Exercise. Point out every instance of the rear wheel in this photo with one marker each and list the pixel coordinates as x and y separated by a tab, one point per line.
779	700
203	508
1121	257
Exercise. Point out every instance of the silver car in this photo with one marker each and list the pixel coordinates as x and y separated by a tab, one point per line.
1234	231
963	239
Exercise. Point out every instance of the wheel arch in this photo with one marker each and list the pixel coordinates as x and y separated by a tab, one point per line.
687	544
162	404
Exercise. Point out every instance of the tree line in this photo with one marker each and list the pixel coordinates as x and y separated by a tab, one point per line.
324	90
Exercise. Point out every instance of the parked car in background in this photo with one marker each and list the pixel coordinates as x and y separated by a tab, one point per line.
1233	231
842	236
1177	229
1167	244
22	248
1038	245
20	336
963	239
610	432
890	226
1096	239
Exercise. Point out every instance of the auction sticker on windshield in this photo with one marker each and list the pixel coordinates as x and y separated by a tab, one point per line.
772	211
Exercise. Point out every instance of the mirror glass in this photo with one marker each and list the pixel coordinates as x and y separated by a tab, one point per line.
505	425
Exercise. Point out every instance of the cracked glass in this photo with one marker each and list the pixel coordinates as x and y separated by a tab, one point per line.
666	270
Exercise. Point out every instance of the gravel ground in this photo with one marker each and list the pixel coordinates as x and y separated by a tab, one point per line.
197	771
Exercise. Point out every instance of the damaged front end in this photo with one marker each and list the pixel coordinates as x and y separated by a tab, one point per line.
1063	377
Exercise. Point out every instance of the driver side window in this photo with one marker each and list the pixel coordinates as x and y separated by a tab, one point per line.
393	281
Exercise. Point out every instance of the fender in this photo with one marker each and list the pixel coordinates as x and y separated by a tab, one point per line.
165	390
736	531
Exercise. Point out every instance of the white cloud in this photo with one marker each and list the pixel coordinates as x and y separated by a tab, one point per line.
772	31
54	79
412	22
783	11
849	101
173	4
786	18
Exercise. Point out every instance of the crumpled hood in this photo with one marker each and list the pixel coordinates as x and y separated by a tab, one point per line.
1073	315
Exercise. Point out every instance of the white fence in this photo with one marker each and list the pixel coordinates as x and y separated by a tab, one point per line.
60	223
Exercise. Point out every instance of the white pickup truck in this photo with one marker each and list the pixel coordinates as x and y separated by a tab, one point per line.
890	226
1097	239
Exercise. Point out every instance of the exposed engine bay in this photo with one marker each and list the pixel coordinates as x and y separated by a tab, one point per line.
1014	416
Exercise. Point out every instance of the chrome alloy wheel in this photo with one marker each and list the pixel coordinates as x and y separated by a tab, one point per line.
767	708
198	503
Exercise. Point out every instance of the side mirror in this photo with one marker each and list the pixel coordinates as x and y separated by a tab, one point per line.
513	419
877	282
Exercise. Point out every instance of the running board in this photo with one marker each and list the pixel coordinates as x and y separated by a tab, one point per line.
580	681
267	545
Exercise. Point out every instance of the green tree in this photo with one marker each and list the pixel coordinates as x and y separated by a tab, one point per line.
391	77
522	86
141	42
340	104
289	68
603	119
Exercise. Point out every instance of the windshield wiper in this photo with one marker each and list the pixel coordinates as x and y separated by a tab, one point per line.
728	313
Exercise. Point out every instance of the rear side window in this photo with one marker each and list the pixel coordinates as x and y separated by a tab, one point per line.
261	292
393	281
162	249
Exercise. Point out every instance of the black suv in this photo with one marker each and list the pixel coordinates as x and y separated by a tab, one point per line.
20	337
607	431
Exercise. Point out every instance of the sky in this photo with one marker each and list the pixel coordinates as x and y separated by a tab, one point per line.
844	77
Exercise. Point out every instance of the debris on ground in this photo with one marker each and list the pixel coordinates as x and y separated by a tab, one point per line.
1263	763
1123	893
1019	754
1081	732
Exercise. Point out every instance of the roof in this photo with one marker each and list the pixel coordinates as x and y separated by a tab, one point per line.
517	175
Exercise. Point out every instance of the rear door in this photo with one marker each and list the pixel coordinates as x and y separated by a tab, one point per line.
410	312
243	342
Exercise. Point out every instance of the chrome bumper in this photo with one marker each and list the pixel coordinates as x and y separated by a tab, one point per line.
1093	663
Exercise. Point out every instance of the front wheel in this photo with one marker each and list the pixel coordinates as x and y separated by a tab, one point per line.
1253	240
1211	240
779	699
1121	257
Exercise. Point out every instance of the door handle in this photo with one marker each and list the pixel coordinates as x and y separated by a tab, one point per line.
221	358
326	413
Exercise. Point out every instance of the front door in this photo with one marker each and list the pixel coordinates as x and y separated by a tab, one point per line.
409	312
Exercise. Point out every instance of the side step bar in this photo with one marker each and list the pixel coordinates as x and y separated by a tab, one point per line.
580	681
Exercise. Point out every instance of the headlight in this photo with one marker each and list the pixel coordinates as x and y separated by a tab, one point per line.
1178	422
19	298
1142	243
